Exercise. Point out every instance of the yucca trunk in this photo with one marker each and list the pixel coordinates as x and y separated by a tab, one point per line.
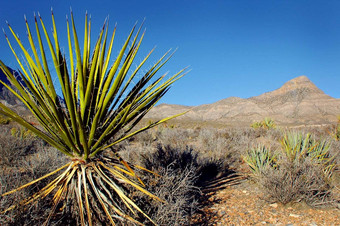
99	107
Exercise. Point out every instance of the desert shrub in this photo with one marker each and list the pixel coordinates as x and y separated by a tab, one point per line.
219	146
231	144
301	171
182	173
296	182
177	188
13	149
167	155
146	139
181	159
335	130
175	137
335	151
22	160
177	172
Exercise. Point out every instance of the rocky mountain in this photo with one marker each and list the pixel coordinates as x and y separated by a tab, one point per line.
5	94
297	102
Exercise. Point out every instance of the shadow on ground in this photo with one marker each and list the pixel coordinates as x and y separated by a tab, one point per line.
205	215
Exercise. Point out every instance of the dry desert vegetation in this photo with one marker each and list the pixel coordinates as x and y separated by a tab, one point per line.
207	176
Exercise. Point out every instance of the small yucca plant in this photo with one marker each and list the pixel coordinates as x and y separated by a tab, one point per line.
99	107
267	123
256	125
259	159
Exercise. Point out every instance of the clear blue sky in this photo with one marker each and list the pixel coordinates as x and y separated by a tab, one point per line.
234	47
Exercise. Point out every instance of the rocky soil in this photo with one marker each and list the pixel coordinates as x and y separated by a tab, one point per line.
243	204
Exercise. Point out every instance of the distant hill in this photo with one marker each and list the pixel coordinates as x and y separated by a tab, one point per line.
297	102
5	94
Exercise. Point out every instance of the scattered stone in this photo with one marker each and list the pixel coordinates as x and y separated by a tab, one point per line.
274	205
236	208
274	213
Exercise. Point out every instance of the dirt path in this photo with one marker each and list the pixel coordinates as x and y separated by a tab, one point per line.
242	205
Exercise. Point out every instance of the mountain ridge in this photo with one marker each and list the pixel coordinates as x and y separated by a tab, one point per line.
297	102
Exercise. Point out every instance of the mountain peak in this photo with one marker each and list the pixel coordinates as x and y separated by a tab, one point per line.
297	102
302	78
298	83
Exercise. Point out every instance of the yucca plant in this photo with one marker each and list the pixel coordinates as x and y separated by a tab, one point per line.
256	125
99	107
267	123
297	147
259	159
